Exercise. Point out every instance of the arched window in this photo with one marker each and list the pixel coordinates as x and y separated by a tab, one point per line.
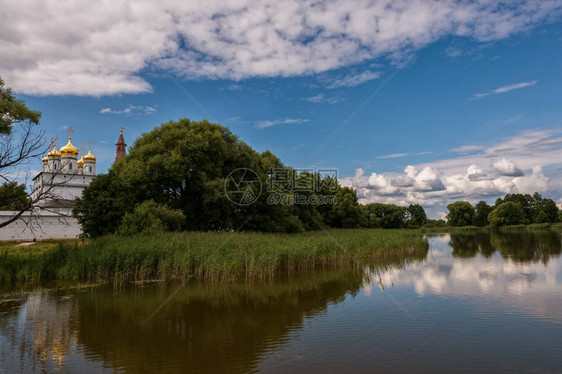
55	166
70	166
90	169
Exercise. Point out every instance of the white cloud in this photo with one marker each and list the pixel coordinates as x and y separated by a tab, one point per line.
496	170
131	109
468	148
393	155
474	173
102	48
507	168
321	98
286	121
350	80
398	155
505	89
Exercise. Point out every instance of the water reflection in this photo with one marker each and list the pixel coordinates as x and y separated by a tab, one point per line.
219	328
520	245
520	270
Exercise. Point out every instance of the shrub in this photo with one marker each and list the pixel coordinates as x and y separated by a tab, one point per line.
150	217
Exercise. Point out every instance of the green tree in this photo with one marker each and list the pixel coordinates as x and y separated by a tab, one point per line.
13	196
13	110
436	223
506	213
461	213
346	213
386	216
542	207
482	210
417	215
525	201
560	216
541	217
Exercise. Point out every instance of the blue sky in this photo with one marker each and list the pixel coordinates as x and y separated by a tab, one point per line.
426	102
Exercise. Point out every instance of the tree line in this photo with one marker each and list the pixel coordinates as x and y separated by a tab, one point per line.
513	209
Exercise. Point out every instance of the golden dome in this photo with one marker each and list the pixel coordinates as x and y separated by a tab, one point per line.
81	161
69	149
54	153
45	159
89	156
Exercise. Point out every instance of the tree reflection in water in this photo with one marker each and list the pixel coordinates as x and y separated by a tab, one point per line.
205	327
521	246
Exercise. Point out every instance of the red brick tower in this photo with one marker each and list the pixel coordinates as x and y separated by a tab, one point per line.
121	147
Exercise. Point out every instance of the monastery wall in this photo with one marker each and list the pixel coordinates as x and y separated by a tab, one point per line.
39	225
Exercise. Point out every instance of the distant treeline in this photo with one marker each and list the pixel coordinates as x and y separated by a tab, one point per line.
513	209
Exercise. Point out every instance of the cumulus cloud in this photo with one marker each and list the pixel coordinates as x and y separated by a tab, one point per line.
474	173
505	89
286	121
485	175
103	48
507	168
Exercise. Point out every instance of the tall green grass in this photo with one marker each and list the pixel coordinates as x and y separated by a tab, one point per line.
210	256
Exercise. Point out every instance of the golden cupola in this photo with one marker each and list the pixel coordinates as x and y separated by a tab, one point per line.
81	161
89	157
54	153
69	149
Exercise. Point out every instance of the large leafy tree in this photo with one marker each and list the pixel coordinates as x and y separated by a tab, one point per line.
461	213
482	209
346	213
386	216
507	213
417	215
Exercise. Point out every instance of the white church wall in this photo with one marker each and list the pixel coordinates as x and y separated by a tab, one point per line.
39	225
68	186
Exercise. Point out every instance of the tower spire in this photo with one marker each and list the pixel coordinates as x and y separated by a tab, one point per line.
121	147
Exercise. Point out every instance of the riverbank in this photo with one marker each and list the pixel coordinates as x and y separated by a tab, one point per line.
207	255
534	226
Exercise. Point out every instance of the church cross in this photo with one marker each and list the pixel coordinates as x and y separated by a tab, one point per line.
82	148
70	131
90	144
54	141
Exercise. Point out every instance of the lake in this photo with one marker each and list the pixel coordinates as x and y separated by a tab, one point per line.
476	302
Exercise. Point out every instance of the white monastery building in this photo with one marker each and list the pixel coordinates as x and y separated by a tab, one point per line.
61	180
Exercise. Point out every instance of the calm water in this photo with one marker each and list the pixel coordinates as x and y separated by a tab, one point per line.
475	303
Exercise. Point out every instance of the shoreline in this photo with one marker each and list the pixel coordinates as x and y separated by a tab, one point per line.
209	256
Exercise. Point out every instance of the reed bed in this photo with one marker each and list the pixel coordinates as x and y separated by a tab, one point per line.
213	256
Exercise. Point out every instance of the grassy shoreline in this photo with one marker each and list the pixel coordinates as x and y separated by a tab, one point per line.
532	227
208	256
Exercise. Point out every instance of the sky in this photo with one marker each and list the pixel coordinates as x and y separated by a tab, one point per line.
427	101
